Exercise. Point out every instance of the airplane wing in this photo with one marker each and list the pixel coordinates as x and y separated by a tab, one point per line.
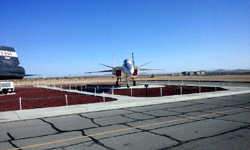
141	69
106	65
32	75
99	71
149	69
145	63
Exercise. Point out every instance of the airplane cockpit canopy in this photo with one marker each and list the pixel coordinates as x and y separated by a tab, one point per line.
127	61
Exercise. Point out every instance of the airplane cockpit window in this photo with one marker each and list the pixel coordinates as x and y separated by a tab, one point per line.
127	61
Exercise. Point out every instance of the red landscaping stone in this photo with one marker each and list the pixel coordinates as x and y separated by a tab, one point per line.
167	90
40	98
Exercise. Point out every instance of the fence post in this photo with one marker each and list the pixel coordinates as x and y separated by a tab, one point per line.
81	87
70	87
103	97
20	102
131	92
181	90
66	99
95	91
215	88
75	86
161	91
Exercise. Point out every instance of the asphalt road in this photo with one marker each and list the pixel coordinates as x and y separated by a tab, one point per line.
217	123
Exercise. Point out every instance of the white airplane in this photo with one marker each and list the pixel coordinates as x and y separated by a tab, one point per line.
127	70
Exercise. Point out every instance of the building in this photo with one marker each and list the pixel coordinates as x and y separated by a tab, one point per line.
200	73
194	73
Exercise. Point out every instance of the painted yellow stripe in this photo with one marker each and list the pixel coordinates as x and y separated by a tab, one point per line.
147	125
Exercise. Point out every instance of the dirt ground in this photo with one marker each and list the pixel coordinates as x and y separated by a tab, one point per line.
86	80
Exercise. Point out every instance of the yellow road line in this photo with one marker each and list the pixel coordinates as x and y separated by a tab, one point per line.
147	125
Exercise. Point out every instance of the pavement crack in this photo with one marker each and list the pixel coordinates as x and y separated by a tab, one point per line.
96	141
14	145
148	131
11	137
206	137
147	114
231	120
130	118
91	119
17	114
133	111
52	125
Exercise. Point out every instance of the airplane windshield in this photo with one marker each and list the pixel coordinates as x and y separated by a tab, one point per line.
127	61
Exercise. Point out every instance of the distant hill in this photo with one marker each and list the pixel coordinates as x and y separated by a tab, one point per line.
241	70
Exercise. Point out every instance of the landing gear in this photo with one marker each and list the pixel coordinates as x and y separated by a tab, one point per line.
117	82
127	86
127	80
134	82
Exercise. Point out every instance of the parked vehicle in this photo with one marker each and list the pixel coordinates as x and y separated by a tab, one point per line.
7	87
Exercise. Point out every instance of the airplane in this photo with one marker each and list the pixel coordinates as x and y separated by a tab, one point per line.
127	70
9	62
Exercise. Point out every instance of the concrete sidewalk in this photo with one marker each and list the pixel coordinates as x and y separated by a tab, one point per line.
122	102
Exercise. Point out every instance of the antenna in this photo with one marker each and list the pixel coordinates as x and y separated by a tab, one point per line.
133	59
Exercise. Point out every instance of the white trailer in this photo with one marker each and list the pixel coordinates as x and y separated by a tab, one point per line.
7	87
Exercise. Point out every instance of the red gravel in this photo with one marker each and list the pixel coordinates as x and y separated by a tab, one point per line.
167	90
40	98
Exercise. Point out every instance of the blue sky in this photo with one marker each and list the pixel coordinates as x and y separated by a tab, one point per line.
62	37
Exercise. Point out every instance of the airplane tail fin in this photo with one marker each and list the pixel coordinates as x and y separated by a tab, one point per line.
113	61
133	59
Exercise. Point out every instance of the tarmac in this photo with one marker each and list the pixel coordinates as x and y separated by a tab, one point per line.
121	102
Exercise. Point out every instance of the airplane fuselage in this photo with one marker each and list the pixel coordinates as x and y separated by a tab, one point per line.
127	67
9	62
